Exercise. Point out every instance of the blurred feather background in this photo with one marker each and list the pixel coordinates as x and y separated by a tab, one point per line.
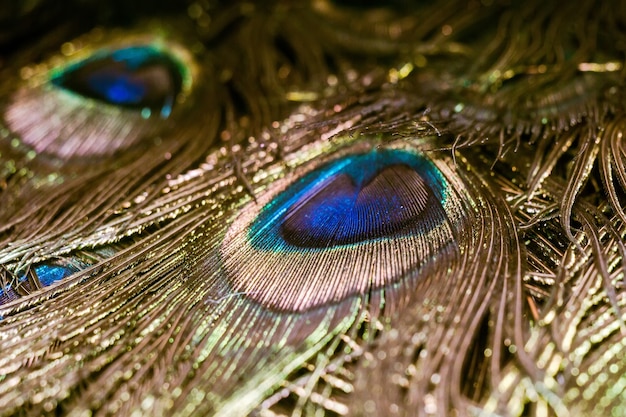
312	208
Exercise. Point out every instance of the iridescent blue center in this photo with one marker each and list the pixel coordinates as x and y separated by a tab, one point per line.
47	274
137	77
358	198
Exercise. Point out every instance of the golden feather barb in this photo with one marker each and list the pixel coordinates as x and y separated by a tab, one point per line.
316	209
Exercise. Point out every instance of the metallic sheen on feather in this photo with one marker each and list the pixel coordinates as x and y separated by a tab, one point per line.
313	208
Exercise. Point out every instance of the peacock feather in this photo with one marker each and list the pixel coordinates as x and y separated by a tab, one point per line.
313	208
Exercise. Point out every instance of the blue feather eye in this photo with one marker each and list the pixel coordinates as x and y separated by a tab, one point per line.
99	103
139	77
45	274
355	224
377	195
48	274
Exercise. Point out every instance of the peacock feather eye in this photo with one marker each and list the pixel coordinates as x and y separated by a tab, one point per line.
138	77
48	274
99	101
378	214
40	275
359	198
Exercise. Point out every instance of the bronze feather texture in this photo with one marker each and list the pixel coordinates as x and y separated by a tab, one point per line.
313	208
